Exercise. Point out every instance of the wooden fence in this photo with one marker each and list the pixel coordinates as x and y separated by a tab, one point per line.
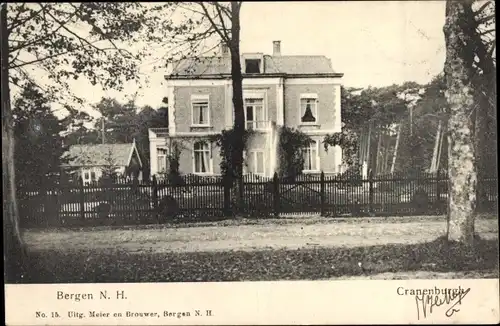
197	198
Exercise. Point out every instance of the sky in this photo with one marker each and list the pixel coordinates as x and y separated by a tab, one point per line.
374	43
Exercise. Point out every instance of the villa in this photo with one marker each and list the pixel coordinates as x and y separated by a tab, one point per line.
298	91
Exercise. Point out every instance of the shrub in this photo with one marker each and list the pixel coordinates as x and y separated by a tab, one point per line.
173	175
420	200
103	210
168	208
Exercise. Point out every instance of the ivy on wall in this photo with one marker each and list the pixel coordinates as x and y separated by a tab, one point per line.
225	141
349	143
173	158
290	151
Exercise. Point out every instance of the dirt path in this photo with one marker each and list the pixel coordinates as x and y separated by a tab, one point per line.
422	275
250	237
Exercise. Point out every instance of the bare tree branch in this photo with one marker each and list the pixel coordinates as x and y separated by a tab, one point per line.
222	8
221	18
482	33
485	19
221	34
26	63
482	8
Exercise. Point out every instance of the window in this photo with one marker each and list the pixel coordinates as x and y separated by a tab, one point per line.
86	177
311	157
252	66
255	162
201	157
200	111
254	113
308	109
93	176
161	157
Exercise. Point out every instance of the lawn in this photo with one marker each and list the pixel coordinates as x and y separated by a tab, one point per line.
259	250
95	266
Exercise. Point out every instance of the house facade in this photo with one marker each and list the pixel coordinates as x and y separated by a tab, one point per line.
301	92
89	162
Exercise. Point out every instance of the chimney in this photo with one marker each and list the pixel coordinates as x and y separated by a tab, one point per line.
276	48
224	49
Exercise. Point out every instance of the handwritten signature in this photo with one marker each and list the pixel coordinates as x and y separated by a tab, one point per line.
426	302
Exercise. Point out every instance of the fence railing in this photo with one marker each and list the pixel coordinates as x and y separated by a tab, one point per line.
203	198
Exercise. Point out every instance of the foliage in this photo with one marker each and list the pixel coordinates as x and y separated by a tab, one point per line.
39	144
226	142
416	146
109	169
123	123
95	266
174	176
68	41
290	151
348	141
381	107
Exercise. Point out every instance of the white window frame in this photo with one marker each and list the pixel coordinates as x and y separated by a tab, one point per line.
248	154
256	96
197	99
165	157
210	160
316	148
315	109
86	178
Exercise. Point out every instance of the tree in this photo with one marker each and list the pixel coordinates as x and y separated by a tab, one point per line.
483	36
65	41
14	250
38	137
109	168
370	109
416	150
215	23
462	169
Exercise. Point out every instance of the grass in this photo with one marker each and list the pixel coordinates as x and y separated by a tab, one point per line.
105	265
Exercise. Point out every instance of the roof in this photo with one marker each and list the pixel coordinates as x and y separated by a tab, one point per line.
101	155
283	64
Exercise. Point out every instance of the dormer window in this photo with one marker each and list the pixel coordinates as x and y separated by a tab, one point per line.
252	66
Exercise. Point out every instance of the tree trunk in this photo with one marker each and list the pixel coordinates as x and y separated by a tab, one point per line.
485	126
239	117
461	150
14	251
393	165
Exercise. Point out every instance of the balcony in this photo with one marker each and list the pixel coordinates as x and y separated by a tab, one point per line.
258	125
158	133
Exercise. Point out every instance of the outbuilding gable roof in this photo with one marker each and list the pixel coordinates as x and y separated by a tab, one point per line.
101	155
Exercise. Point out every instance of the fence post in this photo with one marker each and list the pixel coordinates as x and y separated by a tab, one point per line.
438	188
276	195
155	198
44	196
370	196
322	192
226	183
82	199
135	191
